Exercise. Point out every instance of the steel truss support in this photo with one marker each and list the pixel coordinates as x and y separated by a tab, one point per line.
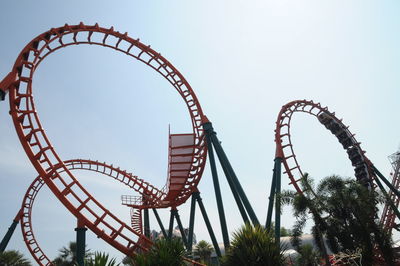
236	188
183	235
217	190
146	223
191	223
391	187
197	197
271	200
2	95
278	201
274	194
80	243
171	224
10	231
188	240
387	183
389	200
160	223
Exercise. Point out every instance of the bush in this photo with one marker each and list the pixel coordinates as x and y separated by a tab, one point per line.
253	246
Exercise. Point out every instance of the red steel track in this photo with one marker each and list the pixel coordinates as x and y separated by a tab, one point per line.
57	175
284	146
44	157
388	216
78	164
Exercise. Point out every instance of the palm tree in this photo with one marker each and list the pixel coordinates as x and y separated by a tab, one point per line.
101	259
352	218
344	212
303	204
307	256
253	246
67	256
164	252
204	250
13	258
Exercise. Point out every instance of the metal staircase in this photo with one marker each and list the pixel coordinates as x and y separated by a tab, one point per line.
136	220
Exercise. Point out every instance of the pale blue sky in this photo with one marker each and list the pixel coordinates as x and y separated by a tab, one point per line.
244	59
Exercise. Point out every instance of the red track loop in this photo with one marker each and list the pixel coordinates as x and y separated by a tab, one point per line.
27	204
42	154
284	147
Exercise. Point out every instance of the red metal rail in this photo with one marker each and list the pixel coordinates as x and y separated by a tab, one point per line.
44	157
284	146
77	164
388	216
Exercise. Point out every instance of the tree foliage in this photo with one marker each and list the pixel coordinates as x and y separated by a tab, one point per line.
307	256
164	252
345	213
253	245
101	259
303	205
204	250
13	258
67	255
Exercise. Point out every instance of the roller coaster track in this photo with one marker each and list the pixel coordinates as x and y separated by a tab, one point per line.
78	164
18	83
363	168
57	174
388	217
284	147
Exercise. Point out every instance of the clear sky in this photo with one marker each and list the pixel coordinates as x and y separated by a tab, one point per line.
244	59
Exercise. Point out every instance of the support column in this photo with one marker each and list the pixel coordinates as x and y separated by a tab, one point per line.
2	95
208	224
387	183
278	200
171	223
160	223
10	231
146	223
80	243
271	200
183	235
235	194
209	130
224	160
389	200
191	223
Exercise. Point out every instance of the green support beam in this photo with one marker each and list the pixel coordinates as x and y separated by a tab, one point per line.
271	199
231	175
207	221
8	235
191	223
183	235
391	203
146	223
2	95
278	200
236	196
80	244
387	183
224	229
171	223
160	223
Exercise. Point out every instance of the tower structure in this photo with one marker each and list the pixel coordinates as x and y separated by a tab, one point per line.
388	217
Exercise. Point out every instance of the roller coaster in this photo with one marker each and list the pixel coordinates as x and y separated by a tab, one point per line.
187	156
